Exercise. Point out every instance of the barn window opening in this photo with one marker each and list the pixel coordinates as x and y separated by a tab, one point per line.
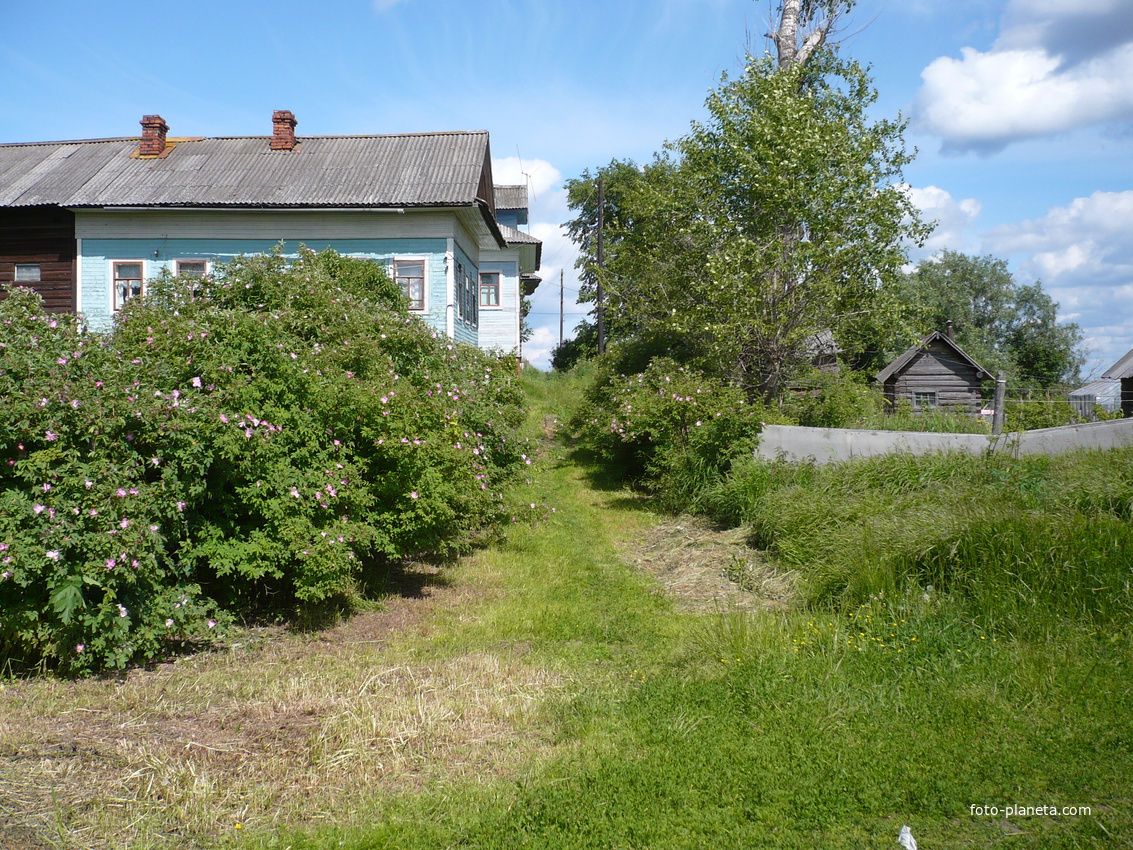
924	400
27	273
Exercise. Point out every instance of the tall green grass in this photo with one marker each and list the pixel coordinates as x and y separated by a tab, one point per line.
934	421
1028	543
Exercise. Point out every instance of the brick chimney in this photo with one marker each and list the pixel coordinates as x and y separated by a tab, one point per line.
154	129
283	130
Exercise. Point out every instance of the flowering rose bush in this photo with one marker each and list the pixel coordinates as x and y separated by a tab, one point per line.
669	427
264	437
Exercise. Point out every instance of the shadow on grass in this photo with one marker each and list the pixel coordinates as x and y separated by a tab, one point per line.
611	480
408	578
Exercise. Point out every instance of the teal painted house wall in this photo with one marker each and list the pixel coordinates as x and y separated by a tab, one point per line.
464	330
95	296
497	329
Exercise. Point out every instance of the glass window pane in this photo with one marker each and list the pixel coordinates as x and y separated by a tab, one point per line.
410	276
192	268
489	290
27	272
127	282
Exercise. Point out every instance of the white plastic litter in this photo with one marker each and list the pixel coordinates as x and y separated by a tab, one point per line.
906	840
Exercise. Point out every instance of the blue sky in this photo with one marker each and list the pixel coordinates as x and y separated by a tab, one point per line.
1021	110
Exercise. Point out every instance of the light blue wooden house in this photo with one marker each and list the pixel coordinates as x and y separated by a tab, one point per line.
508	275
422	204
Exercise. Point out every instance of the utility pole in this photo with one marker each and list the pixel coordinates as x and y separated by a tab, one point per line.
601	264
560	308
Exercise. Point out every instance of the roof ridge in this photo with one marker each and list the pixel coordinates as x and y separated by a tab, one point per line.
298	136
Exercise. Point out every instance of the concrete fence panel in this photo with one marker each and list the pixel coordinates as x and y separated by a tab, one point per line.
833	445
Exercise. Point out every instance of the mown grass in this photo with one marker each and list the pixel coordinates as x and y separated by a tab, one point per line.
829	725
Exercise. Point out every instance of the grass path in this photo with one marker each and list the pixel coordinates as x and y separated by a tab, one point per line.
763	728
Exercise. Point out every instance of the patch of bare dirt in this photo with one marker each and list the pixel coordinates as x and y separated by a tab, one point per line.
704	568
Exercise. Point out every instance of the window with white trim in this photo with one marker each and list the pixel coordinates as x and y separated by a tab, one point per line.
467	307
458	286
410	276
129	281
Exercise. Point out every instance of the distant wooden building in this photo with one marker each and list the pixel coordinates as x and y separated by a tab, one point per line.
1104	393
935	373
37	250
823	351
1122	371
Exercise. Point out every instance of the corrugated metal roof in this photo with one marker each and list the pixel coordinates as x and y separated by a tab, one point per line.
1123	368
518	236
509	197
426	169
902	361
530	248
1102	388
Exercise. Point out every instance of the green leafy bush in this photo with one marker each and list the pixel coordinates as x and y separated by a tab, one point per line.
934	420
260	439
669	427
1034	413
833	400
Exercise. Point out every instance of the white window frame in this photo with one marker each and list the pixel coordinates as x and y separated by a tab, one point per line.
115	306
424	261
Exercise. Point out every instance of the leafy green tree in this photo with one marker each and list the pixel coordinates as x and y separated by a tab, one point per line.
582	346
1001	323
780	216
525	330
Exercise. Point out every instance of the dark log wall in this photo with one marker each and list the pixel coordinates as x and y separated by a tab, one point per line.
937	369
43	235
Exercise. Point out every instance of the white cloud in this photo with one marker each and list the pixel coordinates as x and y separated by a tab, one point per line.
954	219
1089	233
537	175
1082	254
385	5
537	350
548	209
559	254
1057	65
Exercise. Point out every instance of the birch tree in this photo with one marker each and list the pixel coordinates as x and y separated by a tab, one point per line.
782	215
804	27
